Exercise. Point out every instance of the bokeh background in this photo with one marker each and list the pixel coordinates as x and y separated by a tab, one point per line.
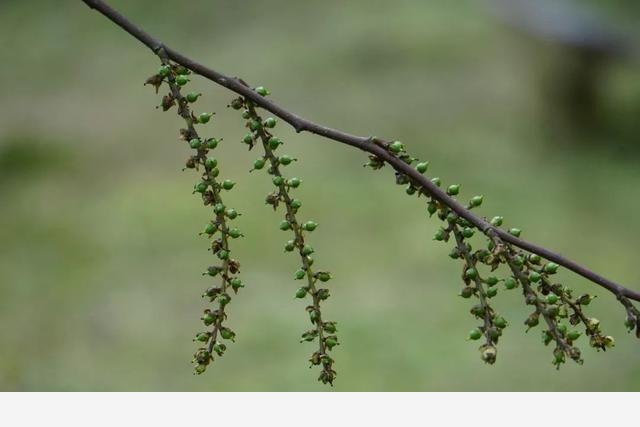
100	260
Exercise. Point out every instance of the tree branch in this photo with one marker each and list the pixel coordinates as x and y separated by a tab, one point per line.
371	145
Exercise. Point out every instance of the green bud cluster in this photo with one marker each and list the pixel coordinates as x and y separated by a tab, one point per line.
218	230
553	304
323	332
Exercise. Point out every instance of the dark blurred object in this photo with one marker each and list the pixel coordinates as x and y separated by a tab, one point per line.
584	44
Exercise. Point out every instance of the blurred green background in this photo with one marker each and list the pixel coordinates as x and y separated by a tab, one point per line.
100	260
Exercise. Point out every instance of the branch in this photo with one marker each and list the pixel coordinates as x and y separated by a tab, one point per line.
372	145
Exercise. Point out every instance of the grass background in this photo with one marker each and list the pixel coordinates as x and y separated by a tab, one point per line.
99	256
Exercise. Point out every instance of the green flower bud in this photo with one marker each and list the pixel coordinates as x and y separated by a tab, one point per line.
467	232
223	254
422	167
213	271
330	327
496	221
294	182
307	250
202	336
562	328
210	163
534	259
475	334
270	122
192	96
476	201
285	225
237	103
248	139
453	189
551	268
500	322
227	184
573	335
301	293
210	229
262	91
164	70
510	283
201	187
432	207
593	323
552	298
609	341
224	299
323	276
204	117
532	320
585	299
254	125
411	190
515	232
310	225
466	292
195	143
234	233
296	203
259	164
330	342
436	181
232	213
208	318
236	283
182	80
440	235
299	274
246	114
471	273
274	142
396	147
534	276
227	334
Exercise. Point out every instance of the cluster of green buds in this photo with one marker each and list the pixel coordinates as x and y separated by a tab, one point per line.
553	303
260	132
219	230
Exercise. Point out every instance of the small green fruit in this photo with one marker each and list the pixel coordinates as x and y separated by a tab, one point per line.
278	181
296	203
232	213
285	225
515	232
552	298
492	280
195	143
234	233
227	184
492	292
436	181
299	274
471	273
307	250
164	70
270	122
573	335
201	187
285	159
467	232
476	201
534	277
274	142
301	293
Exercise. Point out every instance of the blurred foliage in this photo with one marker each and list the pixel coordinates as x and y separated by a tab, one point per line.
100	261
